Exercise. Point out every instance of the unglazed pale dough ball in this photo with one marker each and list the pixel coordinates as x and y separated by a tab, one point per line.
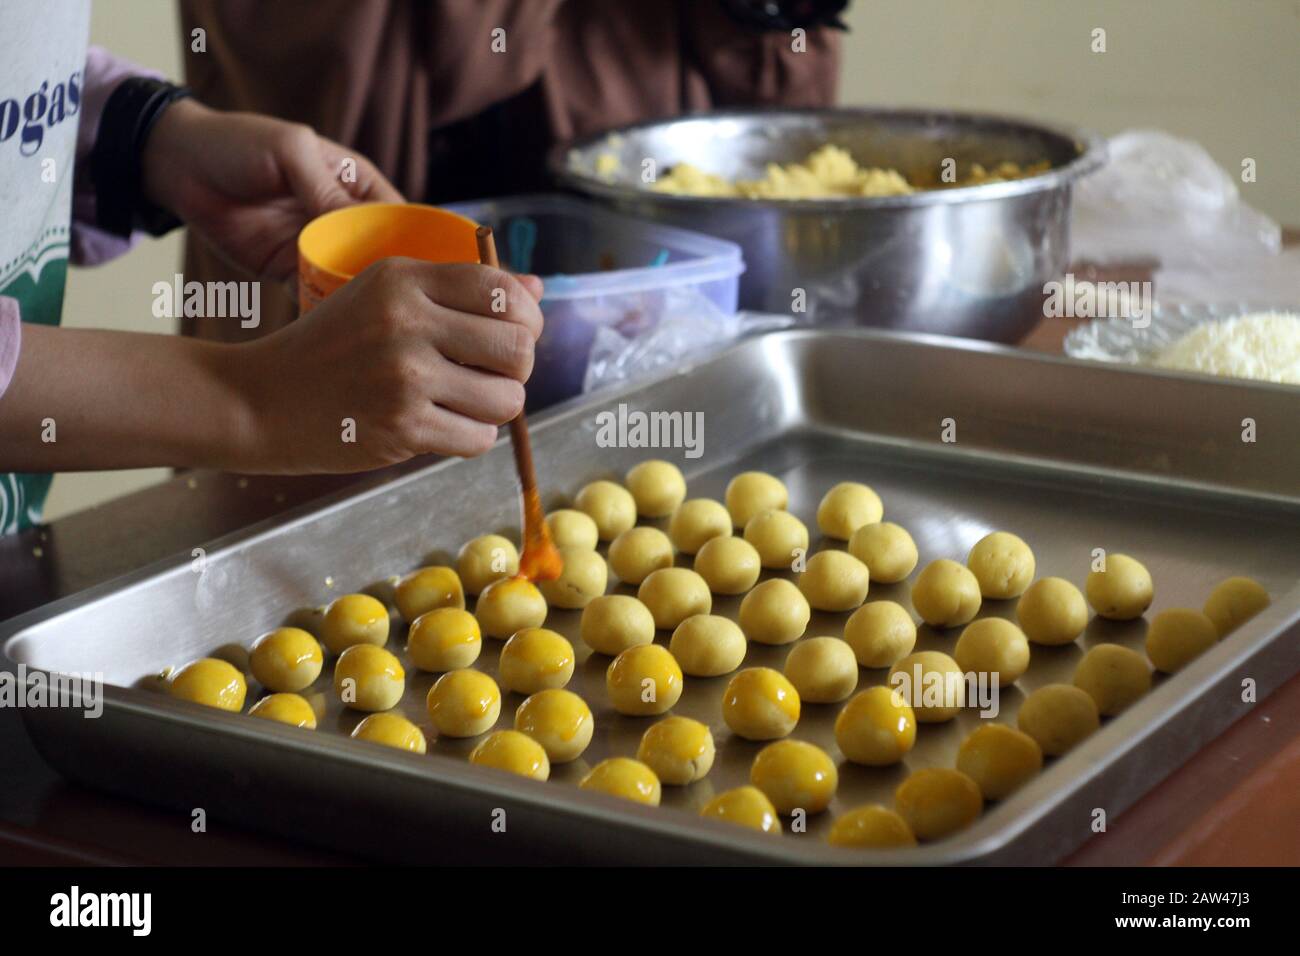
210	682
613	623
1123	591
626	778
486	559
775	612
1058	716
584	578
354	619
822	669
287	659
708	645
638	552
1052	612
876	728
697	521
729	565
881	633
610	505
795	776
679	750
369	678
1234	602
1002	564
932	683
871	827
745	806
644	680
886	549
510	605
571	528
535	659
513	752
426	589
291	709
559	720
834	581
658	487
999	759
445	639
778	537
464	703
753	492
946	594
1113	676
1177	636
673	595
993	646
391	730
937	801
760	704
846	508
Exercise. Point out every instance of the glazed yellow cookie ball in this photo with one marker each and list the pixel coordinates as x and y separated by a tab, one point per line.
644	680
846	508
760	704
638	552
427	589
753	492
673	595
886	549
1234	602
993	646
834	581
881	633
211	682
729	565
1113	676
1058	716
624	777
510	605
571	528
822	669
999	759
1052	612
1123	591
1002	564
287	659
464	703
679	750
535	659
391	730
559	720
946	594
936	801
795	776
871	827
354	619
445	639
291	709
583	579
744	806
932	683
485	559
876	728
1177	636
610	505
657	487
613	623
778	537
513	752
775	612
708	645
369	678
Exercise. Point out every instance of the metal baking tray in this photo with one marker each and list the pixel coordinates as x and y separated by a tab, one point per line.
1072	456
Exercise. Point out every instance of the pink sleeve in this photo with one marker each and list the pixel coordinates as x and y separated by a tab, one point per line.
11	336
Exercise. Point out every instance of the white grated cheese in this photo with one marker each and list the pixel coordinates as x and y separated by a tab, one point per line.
1263	346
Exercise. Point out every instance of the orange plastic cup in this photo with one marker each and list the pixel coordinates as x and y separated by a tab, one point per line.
335	247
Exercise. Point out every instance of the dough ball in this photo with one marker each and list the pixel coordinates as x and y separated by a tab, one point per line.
999	759
354	619
729	565
822	669
937	801
876	728
426	589
707	645
778	537
210	682
795	776
753	492
535	659
886	549
1058	716
834	581
657	487
644	680
291	709
775	612
1234	602
464	703
881	633
445	639
486	559
559	720
1052	612
509	605
369	678
584	578
679	750
932	683
571	528
638	552
871	827
624	777
1002	564
1177	636
993	646
673	595
1113	676
287	659
846	508
1123	591
760	704
946	594
391	730
610	505
746	807
614	622
513	752
697	521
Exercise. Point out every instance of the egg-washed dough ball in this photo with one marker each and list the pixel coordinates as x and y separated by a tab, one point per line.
464	703
760	704
644	680
626	778
486	559
354	619
444	639
211	682
513	752
881	633
834	581
876	728
1002	564
1234	602
571	528
745	806
1113	676
846	508
752	492
778	537
1052	612
583	579
696	522
946	594
510	605
999	759
775	612
708	645
287	659
608	504
638	552
657	487
1177	636
673	595
729	565
679	750
535	659
391	730
559	720
822	669
614	622
369	678
932	683
284	708
426	589
886	549
1123	591
937	801
1058	716
795	776
871	827
992	645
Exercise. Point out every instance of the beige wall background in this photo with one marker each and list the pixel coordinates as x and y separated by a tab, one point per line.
1222	72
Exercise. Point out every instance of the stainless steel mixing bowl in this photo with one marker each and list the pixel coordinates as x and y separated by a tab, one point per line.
968	261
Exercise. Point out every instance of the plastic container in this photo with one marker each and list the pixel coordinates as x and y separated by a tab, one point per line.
600	268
